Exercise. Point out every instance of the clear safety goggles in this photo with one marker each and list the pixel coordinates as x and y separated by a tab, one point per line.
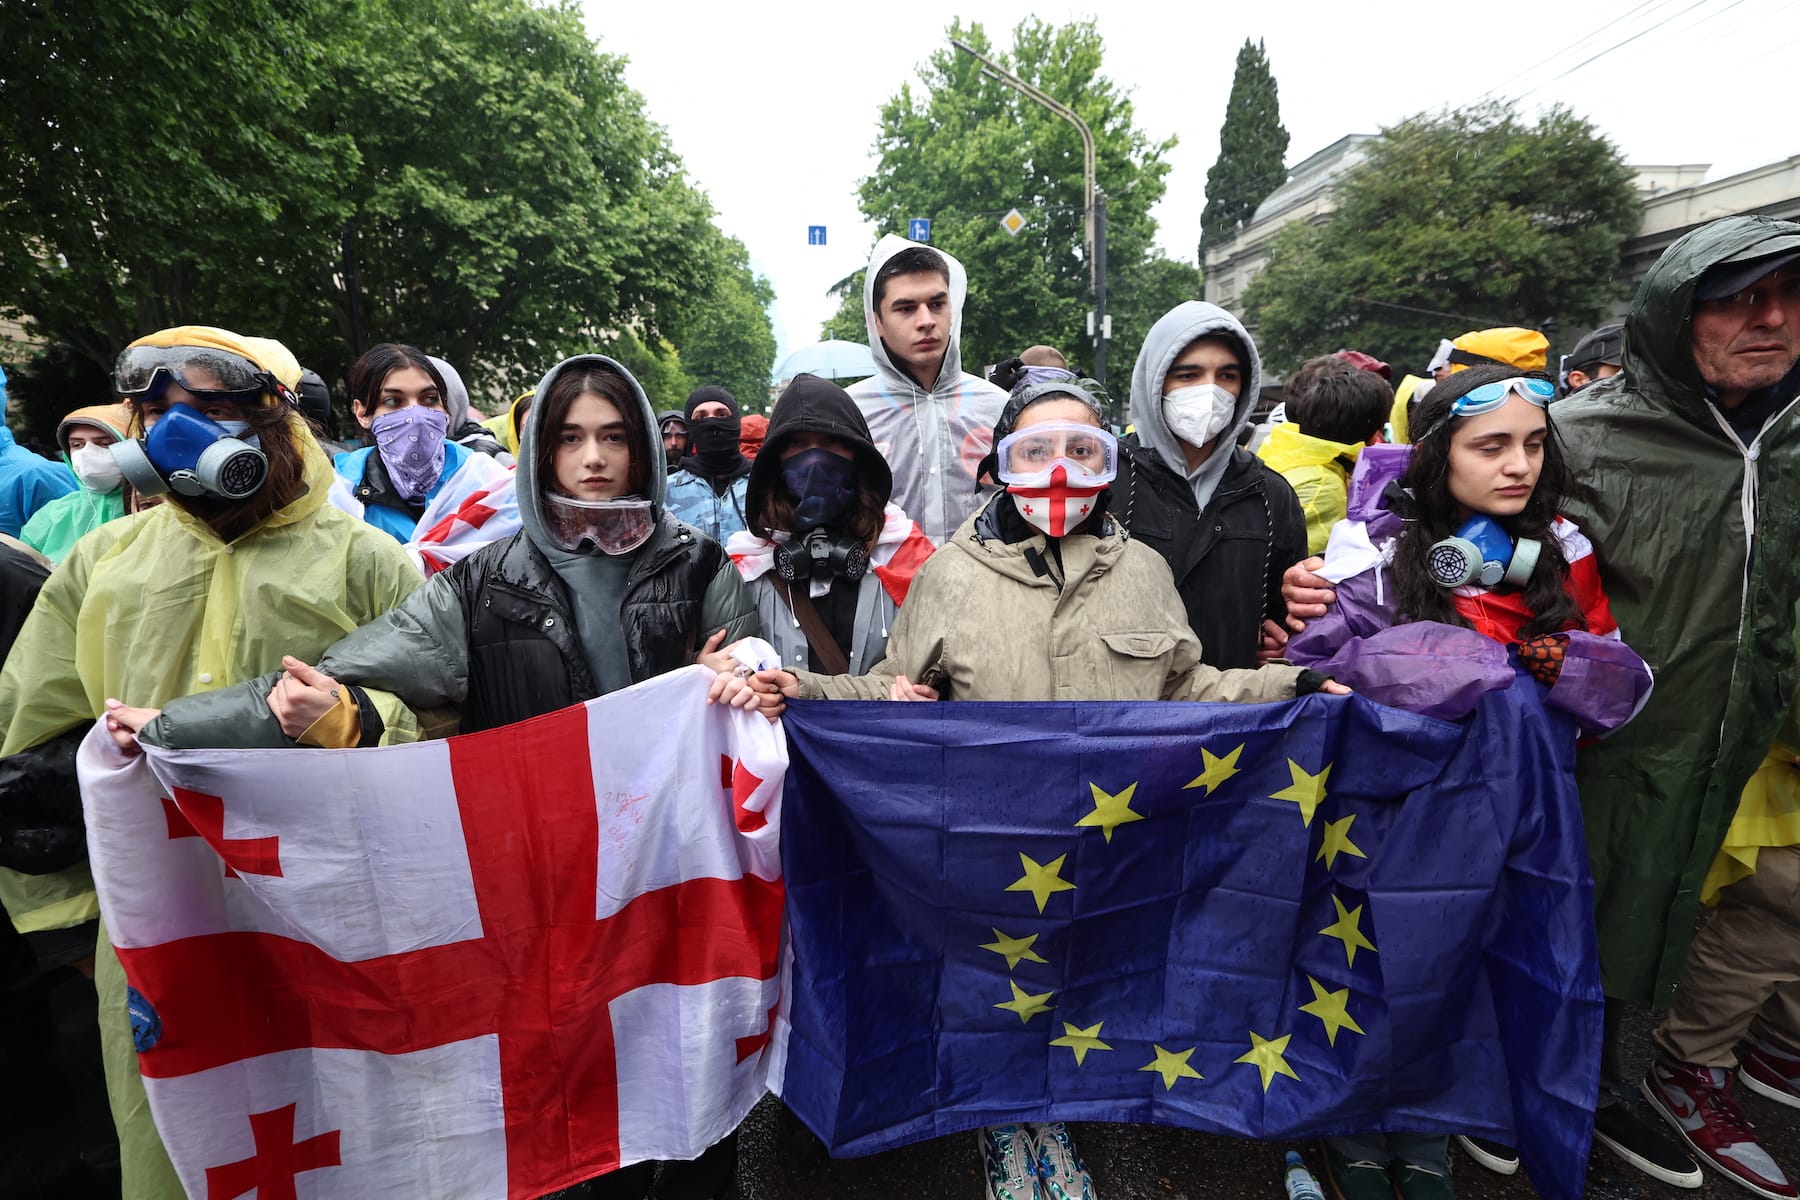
609	526
1089	456
206	371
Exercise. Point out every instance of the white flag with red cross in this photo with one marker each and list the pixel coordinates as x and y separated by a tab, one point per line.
485	967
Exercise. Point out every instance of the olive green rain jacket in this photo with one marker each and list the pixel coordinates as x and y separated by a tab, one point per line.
153	607
986	619
1698	540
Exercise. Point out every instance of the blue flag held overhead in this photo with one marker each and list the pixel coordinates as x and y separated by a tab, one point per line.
1273	921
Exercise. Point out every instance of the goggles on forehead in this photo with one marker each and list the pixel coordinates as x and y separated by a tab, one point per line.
1089	455
147	370
1490	396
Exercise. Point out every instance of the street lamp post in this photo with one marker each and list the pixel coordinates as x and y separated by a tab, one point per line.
1093	205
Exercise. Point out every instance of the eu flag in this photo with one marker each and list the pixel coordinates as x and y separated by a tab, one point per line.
1281	920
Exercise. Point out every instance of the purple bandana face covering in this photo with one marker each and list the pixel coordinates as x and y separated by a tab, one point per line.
411	443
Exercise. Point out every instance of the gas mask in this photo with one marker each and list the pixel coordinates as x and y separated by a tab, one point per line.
819	555
608	526
1482	552
193	455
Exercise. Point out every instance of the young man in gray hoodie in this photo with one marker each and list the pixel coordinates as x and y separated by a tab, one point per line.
1226	523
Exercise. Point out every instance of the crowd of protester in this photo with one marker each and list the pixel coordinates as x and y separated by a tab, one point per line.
205	565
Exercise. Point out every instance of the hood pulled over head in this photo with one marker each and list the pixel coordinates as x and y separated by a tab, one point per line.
813	405
890	245
647	450
456	394
1658	354
1178	329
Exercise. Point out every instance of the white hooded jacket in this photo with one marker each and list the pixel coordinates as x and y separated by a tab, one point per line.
933	440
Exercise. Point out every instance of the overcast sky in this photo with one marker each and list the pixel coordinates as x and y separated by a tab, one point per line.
774	106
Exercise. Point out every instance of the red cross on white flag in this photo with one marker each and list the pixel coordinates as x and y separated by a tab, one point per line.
488	967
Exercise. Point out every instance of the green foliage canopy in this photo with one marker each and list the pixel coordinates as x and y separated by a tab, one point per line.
1253	146
472	176
1472	216
966	148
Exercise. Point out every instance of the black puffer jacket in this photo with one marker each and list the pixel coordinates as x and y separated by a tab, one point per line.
1227	561
524	659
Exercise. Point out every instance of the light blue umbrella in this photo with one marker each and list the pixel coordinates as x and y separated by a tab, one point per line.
828	360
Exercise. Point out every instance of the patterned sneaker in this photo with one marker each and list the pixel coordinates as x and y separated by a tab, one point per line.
1059	1164
1006	1155
1698	1102
1770	1072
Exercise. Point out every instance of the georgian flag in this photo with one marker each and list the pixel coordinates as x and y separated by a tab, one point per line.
490	966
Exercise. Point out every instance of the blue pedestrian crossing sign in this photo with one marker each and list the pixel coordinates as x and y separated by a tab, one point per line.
815	235
919	229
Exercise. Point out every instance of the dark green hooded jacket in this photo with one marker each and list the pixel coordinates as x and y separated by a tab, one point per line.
1698	539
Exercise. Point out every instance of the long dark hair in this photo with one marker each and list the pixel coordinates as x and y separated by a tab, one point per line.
370	371
773	508
1431	514
595	379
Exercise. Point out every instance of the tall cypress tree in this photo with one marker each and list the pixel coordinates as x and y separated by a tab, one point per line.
1252	148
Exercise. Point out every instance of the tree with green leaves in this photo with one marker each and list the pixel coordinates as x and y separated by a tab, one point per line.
472	177
1253	146
1457	220
726	338
966	148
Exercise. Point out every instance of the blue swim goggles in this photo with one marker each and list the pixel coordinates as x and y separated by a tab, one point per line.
1490	396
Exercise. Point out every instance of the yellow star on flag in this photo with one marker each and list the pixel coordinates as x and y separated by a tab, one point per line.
1331	1008
1218	770
1081	1040
1029	1006
1042	880
1172	1066
1266	1056
1306	790
1110	811
1348	930
1013	949
1337	841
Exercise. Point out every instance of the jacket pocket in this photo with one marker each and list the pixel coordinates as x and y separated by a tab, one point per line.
1138	662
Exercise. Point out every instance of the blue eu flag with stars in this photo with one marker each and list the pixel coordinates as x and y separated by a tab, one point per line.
1273	921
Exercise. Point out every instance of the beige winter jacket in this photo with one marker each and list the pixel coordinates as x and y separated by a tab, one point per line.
982	623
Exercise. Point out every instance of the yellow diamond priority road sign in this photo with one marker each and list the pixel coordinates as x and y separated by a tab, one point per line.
1012	222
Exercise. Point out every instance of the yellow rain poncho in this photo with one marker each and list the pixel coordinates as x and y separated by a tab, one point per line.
153	607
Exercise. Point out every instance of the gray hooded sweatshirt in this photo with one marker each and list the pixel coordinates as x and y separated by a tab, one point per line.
933	440
596	582
1171	335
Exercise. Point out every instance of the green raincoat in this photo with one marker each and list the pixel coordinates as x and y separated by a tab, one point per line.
55	528
155	607
1698	541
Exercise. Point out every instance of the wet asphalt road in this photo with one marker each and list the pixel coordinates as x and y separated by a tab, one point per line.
778	1160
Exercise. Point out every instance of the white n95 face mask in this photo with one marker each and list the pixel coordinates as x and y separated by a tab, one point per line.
1199	414
96	468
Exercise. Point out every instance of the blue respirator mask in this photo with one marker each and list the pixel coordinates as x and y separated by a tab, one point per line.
1483	553
193	455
